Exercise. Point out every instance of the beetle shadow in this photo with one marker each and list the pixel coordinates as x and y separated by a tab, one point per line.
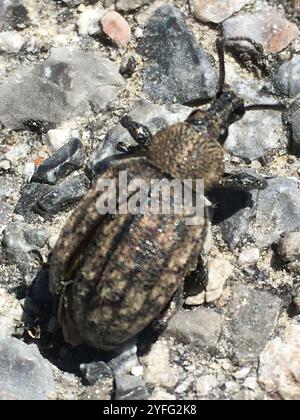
227	202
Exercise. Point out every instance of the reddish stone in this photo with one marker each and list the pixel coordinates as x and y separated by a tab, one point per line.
117	28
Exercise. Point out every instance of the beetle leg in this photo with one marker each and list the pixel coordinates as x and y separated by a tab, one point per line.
243	182
196	281
160	323
128	149
139	132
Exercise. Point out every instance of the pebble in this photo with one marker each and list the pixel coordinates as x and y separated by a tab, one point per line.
125	359
219	270
287	78
48	200
128	66
257	134
201	327
289	247
249	256
157	367
67	84
295	127
130	5
254	316
88	22
24	374
95	372
57	138
266	27
10	313
279	369
216	11
62	163
116	28
250	383
11	42
277	211
17	250
178	69
16	16
128	387
205	385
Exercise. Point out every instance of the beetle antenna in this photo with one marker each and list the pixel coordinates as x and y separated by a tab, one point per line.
274	107
221	55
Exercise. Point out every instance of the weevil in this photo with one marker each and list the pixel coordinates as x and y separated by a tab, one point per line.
115	274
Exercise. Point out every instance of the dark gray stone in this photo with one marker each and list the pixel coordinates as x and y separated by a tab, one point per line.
48	200
24	374
295	126
68	83
22	245
95	371
124	359
254	316
62	196
179	70
64	161
287	79
201	327
128	387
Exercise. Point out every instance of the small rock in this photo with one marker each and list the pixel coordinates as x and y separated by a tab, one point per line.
295	128
286	80
289	247
67	84
279	370
62	196
278	210
161	394
201	327
95	372
128	66
205	384
157	367
257	134
130	388
63	162
195	300
241	373
11	42
17	250
124	359
24	374
17	16
216	10
10	313
57	138
130	5
88	22
116	28
37	237
232	387
250	383
143	16
47	200
266	27
249	256
178	69
219	270
254	317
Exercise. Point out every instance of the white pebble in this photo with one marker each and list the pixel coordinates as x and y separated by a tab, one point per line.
11	42
249	256
58	138
137	371
88	21
28	171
